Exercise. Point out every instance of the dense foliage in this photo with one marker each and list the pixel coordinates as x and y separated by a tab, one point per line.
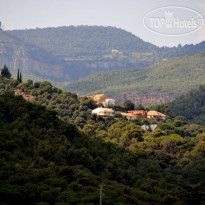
83	40
80	51
172	77
5	73
95	41
191	105
47	161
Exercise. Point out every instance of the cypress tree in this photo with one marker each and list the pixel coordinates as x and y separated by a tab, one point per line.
18	77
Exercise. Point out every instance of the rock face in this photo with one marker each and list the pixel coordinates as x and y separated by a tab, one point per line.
18	56
31	59
147	99
38	61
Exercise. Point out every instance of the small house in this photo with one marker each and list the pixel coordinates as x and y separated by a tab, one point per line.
157	115
139	113
104	112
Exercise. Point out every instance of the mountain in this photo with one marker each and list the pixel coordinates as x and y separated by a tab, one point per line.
191	105
30	59
161	82
83	41
75	52
35	78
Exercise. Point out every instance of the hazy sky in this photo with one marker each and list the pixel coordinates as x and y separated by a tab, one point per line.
125	14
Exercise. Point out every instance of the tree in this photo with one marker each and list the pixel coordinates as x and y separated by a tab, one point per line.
5	72
140	107
129	105
18	76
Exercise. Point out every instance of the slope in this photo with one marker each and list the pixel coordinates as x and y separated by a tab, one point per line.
191	105
84	50
169	78
30	59
97	42
47	161
87	41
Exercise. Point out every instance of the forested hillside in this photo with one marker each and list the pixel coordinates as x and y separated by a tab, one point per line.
74	52
96	41
191	105
87	41
45	160
172	77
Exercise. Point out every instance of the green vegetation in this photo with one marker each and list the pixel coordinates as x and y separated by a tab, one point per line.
98	41
47	160
19	77
5	73
191	105
80	51
172	77
83	41
34	78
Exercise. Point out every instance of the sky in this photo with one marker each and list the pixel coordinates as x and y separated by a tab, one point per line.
125	14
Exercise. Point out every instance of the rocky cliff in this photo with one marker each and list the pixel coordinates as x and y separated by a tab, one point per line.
146	99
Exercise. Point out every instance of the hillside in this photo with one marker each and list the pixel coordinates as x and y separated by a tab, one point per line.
29	59
33	59
45	160
191	105
96	42
148	85
34	78
83	41
75	52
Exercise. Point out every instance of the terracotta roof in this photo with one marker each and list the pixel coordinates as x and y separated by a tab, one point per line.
155	113
127	114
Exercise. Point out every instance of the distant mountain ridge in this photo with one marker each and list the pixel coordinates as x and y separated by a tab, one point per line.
155	84
74	52
83	41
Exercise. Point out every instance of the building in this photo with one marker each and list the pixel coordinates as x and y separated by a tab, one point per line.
150	128
100	98
157	115
139	113
129	116
104	112
81	97
108	101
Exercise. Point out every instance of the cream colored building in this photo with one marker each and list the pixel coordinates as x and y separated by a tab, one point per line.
108	101
104	112
156	115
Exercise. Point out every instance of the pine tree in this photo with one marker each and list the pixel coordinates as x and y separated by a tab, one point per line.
5	72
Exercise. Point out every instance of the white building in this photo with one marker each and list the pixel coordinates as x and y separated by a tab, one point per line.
104	112
108	101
